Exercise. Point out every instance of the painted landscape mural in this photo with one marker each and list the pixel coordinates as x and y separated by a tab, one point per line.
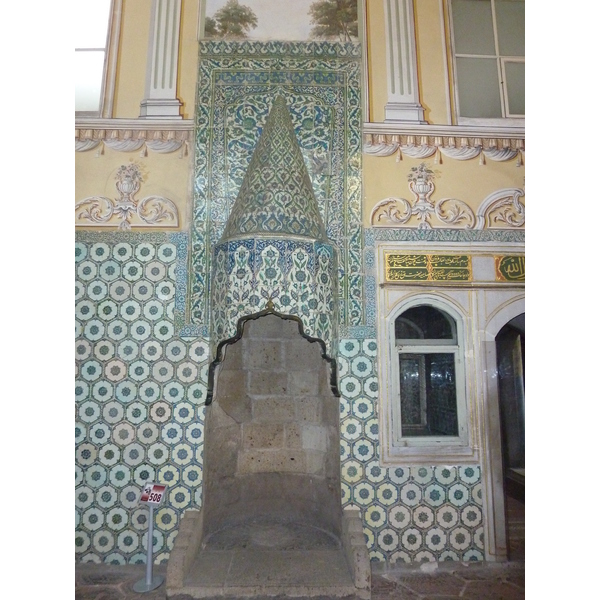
293	20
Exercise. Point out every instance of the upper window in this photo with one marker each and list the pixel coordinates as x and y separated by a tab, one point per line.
489	60
92	19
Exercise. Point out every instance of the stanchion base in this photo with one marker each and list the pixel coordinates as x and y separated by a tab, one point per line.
141	585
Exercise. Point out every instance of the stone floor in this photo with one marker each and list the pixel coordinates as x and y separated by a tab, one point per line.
445	581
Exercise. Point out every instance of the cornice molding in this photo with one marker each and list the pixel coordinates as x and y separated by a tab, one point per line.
457	142
128	135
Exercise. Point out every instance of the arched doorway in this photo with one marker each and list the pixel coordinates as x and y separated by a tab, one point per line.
510	359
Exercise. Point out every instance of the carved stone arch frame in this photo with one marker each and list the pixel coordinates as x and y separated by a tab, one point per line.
496	543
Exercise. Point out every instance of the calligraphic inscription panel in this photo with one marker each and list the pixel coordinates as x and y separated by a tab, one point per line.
427	267
510	268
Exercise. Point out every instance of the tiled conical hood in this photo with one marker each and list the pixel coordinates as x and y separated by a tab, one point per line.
276	197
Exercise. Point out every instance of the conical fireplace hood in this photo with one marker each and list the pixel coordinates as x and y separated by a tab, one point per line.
276	197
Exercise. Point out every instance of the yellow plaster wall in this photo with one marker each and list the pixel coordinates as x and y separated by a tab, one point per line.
131	65
167	175
469	181
375	28
133	52
433	86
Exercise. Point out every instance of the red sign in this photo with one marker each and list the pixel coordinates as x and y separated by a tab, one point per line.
153	493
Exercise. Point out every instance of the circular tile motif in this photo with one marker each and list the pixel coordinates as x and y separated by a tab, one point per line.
412	539
362	408
102	391
369	347
434	494
81	252
125	391
106	497
95	476
445	475
130	496
424	556
349	348
351	429
128	350
123	434
167	252
361	366
423	517
99	433
119	475
435	539
83	349
471	515
91	370
371	429
176	350
422	474
165	291
128	541
132	270
97	290
87	270
79	291
154	310
86	454
363	494
85	310
117	330
143	290
145	252
371	387
110	270
472	556
136	412
458	494
387	494
120	290
160	412
82	390
84	497
80	432
410	494
344	408
180	497
152	350
363	450
183	412
122	252
192	476
115	370
139	370
343	366
147	433
446	517
155	271
375	472
104	350
130	310
99	252
89	411
350	386
109	455
166	518
103	541
460	538
375	517
143	473
182	454
117	518
149	391
470	474
187	372
163	330
140	330
158	454
400	556
196	393
92	519
399	475
352	471
93	330
173	392
134	454
388	540
168	475
198	351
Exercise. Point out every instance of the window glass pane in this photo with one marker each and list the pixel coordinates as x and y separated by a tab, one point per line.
515	87
91	23
473	28
424	322
478	88
441	394
88	80
510	24
428	395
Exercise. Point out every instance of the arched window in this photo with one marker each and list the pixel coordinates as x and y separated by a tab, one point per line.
428	377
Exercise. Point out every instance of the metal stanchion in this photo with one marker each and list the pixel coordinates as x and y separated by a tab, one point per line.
150	497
